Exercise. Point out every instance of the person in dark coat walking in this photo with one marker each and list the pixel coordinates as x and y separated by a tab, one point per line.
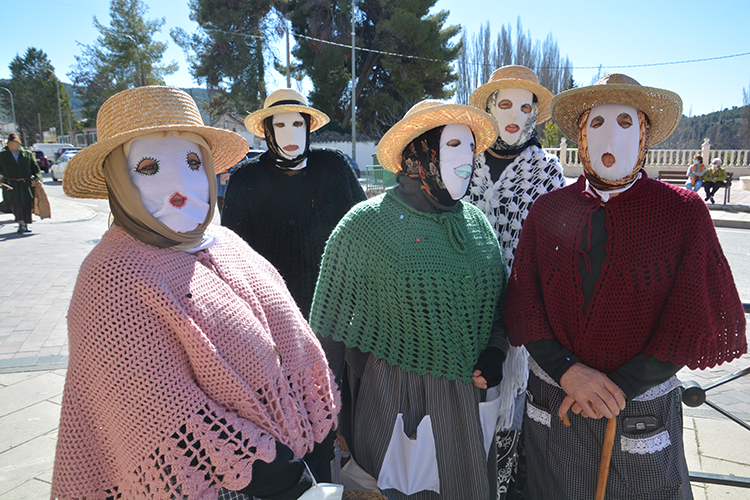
21	173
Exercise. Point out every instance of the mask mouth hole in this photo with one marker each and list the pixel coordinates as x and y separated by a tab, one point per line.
608	160
177	200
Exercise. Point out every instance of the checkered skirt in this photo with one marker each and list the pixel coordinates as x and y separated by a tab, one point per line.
563	462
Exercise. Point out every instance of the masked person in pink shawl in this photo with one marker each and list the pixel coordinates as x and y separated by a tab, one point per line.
607	276
192	373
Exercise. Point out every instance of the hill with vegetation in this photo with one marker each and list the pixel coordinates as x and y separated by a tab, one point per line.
726	129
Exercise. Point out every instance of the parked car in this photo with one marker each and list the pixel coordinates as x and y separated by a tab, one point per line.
58	169
354	166
41	160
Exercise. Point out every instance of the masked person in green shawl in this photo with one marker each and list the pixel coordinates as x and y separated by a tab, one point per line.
408	303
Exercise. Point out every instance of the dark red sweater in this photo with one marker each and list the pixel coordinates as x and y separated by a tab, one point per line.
665	287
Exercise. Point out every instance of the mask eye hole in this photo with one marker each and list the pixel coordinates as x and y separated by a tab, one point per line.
193	162
597	122
624	120
526	108
279	124
505	104
454	143
298	123
147	166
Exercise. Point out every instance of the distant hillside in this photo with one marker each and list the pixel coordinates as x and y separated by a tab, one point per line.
726	129
199	95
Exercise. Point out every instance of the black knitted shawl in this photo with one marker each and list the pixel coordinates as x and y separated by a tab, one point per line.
287	219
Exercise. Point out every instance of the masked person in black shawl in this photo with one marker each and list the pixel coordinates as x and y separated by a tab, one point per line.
286	202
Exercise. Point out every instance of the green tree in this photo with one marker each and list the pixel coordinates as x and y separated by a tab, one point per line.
34	87
232	50
124	56
387	85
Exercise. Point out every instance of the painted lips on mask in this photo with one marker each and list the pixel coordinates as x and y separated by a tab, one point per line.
177	200
512	128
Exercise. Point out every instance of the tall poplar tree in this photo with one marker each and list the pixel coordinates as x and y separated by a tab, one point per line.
124	56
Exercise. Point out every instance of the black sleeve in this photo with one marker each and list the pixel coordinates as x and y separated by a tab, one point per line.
641	373
286	478
554	359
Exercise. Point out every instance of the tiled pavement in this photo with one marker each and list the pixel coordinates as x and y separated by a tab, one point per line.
37	276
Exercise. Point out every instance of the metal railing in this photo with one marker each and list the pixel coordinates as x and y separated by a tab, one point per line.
693	395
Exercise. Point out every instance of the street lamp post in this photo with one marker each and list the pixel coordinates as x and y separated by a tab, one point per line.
59	106
138	51
13	108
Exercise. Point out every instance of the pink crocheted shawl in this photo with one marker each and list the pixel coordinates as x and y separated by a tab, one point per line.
183	371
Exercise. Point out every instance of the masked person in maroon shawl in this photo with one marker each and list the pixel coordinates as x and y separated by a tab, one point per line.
607	274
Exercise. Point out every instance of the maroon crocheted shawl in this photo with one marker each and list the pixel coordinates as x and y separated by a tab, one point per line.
665	287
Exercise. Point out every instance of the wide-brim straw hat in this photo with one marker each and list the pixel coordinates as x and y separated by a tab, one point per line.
140	111
284	101
514	77
662	107
427	115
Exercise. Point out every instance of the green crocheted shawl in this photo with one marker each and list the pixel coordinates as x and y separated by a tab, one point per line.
419	290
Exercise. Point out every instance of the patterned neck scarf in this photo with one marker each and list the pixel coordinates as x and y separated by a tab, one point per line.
421	160
274	151
588	169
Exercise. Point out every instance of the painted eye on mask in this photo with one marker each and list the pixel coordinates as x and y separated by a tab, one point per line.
147	166
507	104
193	162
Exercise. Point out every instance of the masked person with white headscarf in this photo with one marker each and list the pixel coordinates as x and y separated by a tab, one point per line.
607	276
192	373
508	177
286	202
410	288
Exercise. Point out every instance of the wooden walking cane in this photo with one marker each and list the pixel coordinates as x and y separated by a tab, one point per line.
609	441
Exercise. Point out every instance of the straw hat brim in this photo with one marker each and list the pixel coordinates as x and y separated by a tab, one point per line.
663	107
482	94
392	144
254	121
84	173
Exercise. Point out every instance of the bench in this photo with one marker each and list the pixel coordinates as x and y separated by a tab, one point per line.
678	178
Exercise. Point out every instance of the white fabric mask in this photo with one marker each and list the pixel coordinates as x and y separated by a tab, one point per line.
170	176
290	133
613	133
456	158
512	109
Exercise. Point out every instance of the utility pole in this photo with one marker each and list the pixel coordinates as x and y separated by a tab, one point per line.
59	108
288	71
354	96
138	51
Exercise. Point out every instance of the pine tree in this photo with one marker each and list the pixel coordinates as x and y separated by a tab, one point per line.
232	50
124	56
35	90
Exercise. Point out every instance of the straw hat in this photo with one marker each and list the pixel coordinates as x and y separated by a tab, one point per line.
284	101
662	107
514	77
140	111
427	115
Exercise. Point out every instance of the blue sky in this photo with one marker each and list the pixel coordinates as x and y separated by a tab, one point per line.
590	33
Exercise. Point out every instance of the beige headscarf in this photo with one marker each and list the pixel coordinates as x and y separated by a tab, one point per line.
128	209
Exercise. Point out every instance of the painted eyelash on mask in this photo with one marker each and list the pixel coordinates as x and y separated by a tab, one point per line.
158	166
187	160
